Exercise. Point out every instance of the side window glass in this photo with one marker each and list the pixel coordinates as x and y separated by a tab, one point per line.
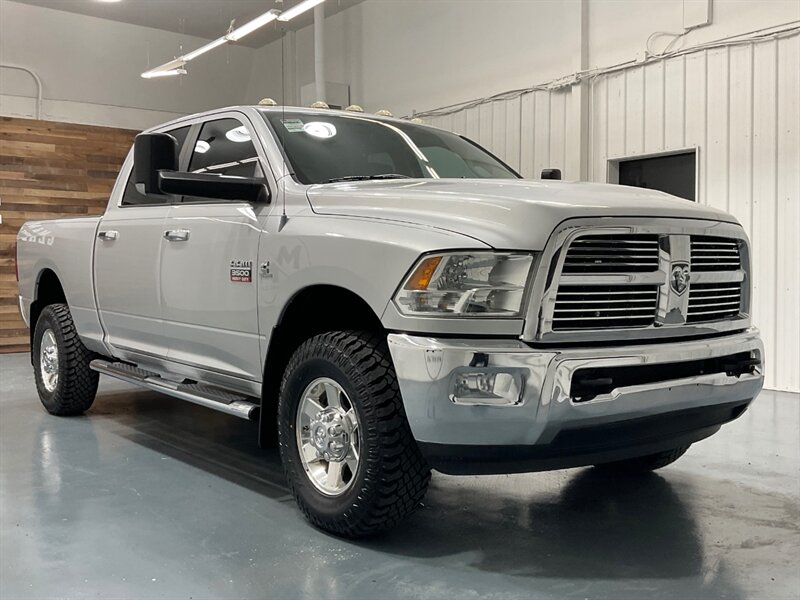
132	197
224	147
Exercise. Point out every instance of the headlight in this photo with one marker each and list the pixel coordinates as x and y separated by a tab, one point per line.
466	284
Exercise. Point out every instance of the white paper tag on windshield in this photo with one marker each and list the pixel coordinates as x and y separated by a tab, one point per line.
292	125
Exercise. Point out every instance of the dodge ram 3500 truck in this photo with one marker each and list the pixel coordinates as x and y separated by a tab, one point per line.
386	298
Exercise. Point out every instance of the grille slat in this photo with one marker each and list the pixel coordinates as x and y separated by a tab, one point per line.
734	304
611	306
604	309
606	302
619	254
713	302
715	254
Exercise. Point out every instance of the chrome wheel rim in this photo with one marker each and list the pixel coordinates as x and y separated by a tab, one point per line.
328	436
48	360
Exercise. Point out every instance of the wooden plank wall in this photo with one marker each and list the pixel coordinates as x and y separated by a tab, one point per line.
48	170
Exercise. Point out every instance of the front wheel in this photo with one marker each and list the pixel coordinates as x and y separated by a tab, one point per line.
642	464
349	456
66	384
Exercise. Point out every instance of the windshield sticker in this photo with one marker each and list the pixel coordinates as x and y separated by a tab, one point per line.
292	125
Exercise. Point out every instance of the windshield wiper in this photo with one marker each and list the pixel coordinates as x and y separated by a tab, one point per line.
368	177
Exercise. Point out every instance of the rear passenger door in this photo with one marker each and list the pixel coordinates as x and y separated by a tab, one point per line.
208	265
127	266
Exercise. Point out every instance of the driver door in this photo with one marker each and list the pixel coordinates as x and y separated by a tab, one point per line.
208	264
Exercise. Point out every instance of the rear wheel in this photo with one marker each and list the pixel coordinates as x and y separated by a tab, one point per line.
641	464
349	455
64	381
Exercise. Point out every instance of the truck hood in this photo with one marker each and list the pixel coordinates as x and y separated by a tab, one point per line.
503	213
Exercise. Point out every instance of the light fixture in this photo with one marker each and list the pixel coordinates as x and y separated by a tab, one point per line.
202	146
251	26
175	67
298	9
166	73
109	1
238	134
203	49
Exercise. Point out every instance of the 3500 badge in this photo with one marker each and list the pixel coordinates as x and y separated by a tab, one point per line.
242	271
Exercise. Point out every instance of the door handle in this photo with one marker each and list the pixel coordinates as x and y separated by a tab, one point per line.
108	235
176	235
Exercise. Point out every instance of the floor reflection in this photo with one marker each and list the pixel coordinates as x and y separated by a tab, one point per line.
588	525
562	533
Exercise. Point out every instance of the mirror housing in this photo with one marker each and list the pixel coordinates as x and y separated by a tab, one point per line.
153	152
215	187
551	174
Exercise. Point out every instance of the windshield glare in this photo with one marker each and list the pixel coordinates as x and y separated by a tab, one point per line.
327	148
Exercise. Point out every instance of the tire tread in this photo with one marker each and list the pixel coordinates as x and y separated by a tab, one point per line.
402	473
77	385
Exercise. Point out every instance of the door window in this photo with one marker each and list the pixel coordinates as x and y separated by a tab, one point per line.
132	197
224	147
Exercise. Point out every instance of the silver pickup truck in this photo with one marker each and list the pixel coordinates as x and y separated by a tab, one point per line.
386	298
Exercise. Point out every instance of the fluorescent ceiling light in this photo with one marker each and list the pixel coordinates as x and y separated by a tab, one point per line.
202	146
203	49
175	67
163	73
298	9
251	26
166	69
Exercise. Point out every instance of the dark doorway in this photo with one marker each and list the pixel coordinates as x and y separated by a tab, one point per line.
673	173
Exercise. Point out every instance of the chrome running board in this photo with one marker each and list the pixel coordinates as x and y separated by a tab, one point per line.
204	395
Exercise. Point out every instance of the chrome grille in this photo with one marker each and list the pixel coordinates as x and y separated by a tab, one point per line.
618	254
599	307
714	301
614	281
715	254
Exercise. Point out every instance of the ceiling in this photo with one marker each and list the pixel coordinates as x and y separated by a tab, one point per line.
203	18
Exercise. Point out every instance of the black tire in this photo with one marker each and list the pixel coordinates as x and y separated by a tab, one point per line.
643	464
76	386
392	476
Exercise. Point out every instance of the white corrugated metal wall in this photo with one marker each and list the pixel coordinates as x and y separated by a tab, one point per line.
739	106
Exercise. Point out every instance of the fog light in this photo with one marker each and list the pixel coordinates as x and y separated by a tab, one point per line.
488	387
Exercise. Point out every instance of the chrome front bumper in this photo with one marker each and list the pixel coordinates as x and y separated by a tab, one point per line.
426	366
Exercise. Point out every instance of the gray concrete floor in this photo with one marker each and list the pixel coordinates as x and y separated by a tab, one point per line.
150	497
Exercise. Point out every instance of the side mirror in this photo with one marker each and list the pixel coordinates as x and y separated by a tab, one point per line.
216	187
153	152
155	171
551	173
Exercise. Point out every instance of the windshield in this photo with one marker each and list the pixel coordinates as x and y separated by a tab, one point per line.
328	148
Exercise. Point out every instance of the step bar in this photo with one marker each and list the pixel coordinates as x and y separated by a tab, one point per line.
204	395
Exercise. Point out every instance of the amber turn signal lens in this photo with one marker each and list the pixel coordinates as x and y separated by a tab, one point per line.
421	277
